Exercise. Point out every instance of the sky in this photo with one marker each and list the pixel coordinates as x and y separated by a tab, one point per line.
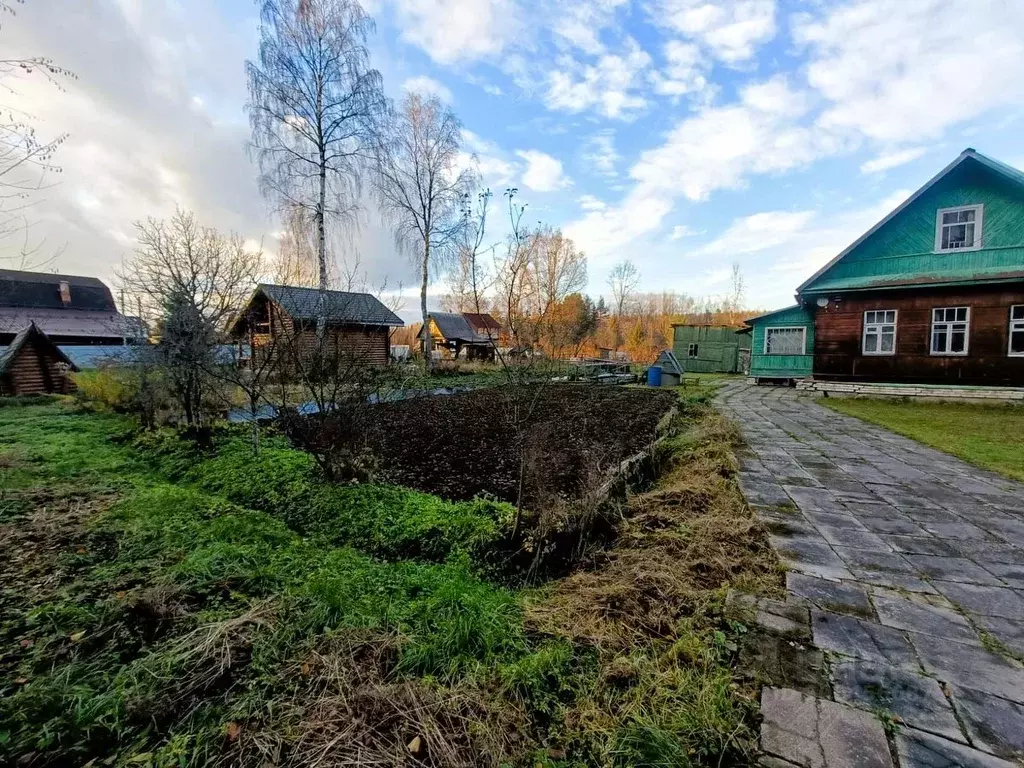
684	135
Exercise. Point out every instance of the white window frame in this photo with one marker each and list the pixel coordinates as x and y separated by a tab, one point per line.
949	333
803	338
979	215
692	349
1015	325
878	332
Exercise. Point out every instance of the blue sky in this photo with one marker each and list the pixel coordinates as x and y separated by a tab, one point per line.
681	134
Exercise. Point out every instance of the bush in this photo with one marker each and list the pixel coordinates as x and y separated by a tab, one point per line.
111	388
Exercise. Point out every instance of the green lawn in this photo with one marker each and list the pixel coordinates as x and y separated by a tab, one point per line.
162	605
987	435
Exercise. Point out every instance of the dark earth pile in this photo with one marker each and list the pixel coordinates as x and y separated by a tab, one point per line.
467	445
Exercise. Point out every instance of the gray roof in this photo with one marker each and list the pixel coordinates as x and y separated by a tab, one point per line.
455	327
30	330
42	289
72	322
343	307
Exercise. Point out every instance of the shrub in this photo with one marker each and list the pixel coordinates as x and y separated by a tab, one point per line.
111	388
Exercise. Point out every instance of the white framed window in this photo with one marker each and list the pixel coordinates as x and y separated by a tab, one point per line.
691	351
958	229
950	330
1017	331
785	340
879	332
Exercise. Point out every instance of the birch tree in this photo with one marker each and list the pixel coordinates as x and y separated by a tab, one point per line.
421	189
314	106
623	281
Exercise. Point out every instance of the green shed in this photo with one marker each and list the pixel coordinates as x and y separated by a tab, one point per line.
711	348
783	344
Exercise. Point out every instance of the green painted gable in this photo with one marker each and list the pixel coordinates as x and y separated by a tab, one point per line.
717	348
765	366
900	251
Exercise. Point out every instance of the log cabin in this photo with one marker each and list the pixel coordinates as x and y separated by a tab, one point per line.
33	365
932	294
282	320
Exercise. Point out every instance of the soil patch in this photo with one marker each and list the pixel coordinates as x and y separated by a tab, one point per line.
461	446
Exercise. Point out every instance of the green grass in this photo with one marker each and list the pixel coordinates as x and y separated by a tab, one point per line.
986	435
165	599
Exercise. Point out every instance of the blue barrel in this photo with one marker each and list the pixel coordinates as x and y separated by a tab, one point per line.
654	376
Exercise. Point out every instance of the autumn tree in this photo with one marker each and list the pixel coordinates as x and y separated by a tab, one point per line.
557	270
314	106
421	188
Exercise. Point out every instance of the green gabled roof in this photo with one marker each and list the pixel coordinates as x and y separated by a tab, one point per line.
925	267
774	312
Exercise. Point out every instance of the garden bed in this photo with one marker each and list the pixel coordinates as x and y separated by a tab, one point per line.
468	445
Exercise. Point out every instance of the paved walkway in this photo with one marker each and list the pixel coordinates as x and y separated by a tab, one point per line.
910	566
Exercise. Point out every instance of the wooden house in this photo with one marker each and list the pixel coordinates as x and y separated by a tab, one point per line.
282	320
933	293
711	348
464	335
32	364
69	309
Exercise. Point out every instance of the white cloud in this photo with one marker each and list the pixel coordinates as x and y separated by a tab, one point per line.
543	172
450	31
720	146
600	153
683	230
428	86
489	160
591	203
612	86
890	160
605	231
899	70
492	89
581	23
731	30
758	232
685	70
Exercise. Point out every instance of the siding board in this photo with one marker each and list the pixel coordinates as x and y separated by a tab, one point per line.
838	334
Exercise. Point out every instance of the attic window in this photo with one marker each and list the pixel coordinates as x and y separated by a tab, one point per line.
958	229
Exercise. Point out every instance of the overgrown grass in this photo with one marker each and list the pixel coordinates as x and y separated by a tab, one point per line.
174	607
387	521
988	435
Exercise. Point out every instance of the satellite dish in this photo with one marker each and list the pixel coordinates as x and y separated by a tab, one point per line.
822	302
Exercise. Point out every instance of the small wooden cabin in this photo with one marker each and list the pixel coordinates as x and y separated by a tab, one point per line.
711	348
34	365
455	336
282	320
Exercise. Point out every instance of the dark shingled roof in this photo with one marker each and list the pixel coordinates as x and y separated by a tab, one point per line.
455	327
482	320
72	322
343	307
42	290
26	333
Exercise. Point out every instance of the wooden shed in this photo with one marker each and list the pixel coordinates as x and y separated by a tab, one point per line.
34	365
711	348
282	320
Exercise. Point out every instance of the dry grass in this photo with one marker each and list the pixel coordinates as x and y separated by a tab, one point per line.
681	543
351	710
